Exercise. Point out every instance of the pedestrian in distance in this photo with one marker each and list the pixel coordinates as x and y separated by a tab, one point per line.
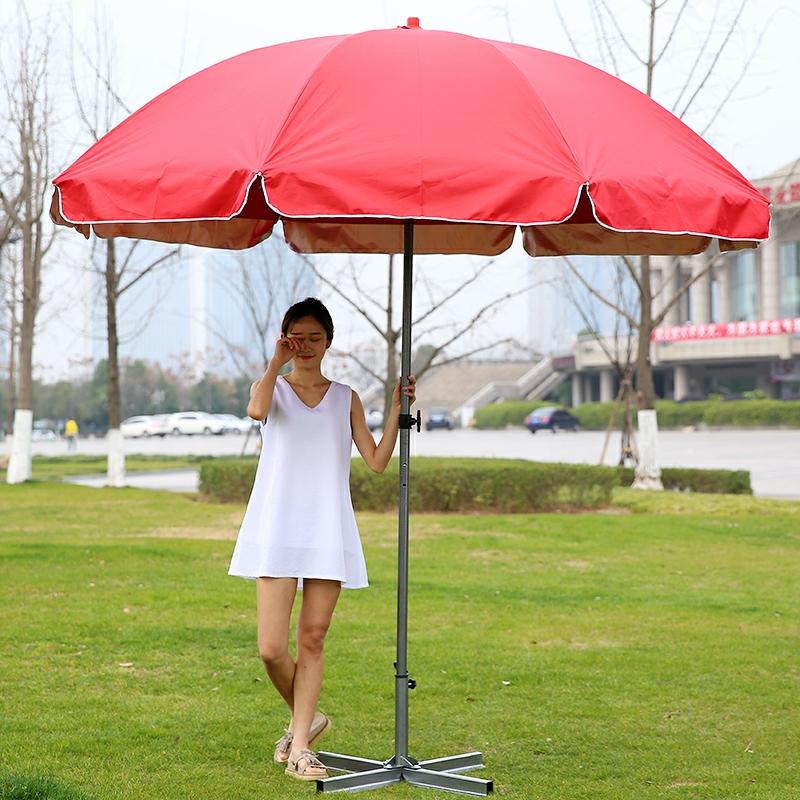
71	434
299	530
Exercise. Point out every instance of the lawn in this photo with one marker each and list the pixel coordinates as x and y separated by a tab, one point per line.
56	467
648	651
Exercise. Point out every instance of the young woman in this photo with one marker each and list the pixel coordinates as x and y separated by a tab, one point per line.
299	530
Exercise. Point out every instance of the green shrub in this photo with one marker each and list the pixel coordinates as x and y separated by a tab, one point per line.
707	481
446	484
713	412
465	485
509	412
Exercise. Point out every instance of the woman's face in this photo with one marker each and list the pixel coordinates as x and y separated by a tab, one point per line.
313	338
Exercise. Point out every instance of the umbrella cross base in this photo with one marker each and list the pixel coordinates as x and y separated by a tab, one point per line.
435	773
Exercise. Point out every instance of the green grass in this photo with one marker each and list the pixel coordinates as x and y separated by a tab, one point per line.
56	467
650	651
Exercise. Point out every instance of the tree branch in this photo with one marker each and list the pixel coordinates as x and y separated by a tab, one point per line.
714	61
589	288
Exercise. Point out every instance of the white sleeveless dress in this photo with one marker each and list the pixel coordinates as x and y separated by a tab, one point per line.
299	522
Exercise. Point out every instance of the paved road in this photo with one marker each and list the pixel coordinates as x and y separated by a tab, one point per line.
772	456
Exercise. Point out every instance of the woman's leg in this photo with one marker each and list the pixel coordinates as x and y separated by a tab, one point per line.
319	601
274	600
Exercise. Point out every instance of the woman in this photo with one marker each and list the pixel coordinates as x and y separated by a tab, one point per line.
299	530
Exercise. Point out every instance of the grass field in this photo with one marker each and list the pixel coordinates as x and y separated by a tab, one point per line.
56	467
649	651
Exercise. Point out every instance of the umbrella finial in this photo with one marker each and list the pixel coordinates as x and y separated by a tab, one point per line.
413	22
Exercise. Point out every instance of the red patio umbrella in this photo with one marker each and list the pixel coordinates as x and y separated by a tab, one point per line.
413	141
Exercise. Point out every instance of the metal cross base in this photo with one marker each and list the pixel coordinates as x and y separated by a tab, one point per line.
435	773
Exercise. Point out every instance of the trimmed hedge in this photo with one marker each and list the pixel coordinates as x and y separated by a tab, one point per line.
446	484
465	485
708	481
595	416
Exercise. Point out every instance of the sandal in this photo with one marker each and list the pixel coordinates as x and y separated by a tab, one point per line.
282	747
306	767
320	726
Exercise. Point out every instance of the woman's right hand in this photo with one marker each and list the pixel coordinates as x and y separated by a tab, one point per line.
285	348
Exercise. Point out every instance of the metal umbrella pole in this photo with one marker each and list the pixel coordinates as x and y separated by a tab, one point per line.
436	773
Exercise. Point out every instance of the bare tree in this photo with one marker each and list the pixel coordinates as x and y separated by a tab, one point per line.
384	317
122	264
10	284
261	281
615	42
27	170
618	347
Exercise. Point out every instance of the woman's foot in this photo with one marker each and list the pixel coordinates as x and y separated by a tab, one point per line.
305	766
319	727
283	747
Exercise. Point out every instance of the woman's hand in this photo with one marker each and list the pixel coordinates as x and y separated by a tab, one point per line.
285	349
409	390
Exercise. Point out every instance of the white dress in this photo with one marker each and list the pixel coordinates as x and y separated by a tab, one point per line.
299	520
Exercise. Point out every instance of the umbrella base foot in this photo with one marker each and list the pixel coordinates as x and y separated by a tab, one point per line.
434	773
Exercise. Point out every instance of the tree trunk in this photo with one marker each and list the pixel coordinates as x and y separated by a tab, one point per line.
645	389
19	463
648	473
116	452
12	355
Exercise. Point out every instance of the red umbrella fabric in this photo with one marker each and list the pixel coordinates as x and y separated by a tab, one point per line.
343	137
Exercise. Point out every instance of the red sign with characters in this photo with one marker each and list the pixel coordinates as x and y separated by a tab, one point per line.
727	330
782	194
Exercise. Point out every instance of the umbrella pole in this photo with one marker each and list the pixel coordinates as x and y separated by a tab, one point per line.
434	773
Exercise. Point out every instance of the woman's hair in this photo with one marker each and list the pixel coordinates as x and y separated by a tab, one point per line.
310	307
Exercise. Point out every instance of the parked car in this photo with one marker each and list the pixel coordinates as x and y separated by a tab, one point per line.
192	422
439	418
374	419
145	426
43	435
234	424
552	418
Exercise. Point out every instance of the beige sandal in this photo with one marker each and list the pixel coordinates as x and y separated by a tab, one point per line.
320	726
282	747
306	766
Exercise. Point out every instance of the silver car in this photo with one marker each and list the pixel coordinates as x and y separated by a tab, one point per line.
188	423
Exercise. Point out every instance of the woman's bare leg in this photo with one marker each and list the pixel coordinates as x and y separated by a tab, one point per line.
274	601
319	601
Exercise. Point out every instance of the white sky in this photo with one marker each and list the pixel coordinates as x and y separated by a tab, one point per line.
161	41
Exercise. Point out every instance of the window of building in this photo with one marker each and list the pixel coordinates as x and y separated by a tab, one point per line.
790	279
744	286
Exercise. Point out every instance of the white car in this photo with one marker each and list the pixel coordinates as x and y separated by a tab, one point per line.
234	424
134	427
192	422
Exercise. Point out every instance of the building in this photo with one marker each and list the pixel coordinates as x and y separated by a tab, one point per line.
736	329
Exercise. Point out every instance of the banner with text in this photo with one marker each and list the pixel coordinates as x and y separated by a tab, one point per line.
727	330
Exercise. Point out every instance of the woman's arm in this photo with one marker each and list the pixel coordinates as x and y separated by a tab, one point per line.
261	391
377	456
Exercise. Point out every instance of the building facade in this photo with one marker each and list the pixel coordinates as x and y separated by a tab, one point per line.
736	329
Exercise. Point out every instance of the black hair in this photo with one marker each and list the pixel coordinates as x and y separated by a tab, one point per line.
310	307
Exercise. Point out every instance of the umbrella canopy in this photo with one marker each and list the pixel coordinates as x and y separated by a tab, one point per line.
344	137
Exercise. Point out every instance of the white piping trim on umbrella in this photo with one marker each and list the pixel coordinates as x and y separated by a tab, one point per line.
676	233
402	219
281	214
148	221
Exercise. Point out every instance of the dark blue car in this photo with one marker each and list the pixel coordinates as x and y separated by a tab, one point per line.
550	418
